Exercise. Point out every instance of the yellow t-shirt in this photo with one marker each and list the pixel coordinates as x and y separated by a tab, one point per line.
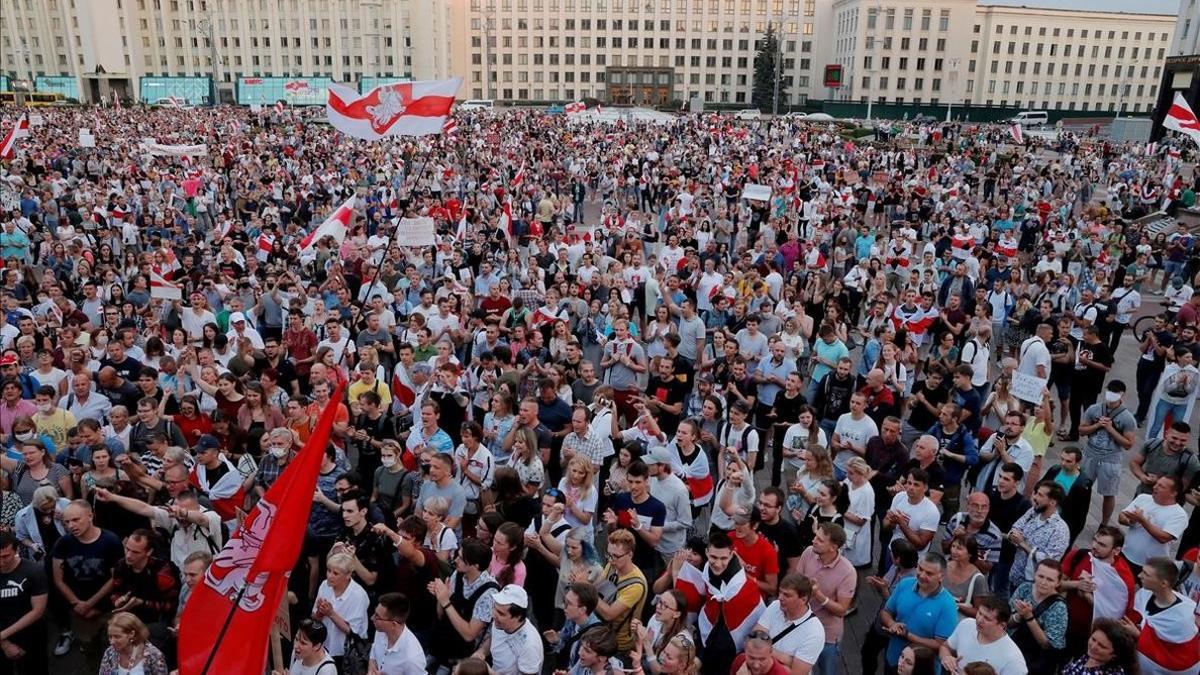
629	593
359	387
1038	437
55	425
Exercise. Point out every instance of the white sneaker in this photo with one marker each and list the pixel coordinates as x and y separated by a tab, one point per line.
64	643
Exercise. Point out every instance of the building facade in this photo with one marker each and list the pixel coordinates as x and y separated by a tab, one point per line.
649	52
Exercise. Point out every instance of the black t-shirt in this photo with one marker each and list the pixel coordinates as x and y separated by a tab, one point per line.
17	590
1058	347
921	419
785	538
87	567
788	409
937	474
669	392
1005	512
1092	378
128	368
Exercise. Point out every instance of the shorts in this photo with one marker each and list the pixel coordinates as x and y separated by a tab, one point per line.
1063	384
1105	472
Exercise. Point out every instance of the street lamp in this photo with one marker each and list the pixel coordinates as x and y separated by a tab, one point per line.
205	27
20	89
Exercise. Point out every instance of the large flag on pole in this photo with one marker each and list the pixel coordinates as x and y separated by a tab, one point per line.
8	146
1017	133
227	621
1181	118
401	109
336	226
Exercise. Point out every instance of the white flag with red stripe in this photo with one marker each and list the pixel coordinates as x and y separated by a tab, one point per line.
401	109
278	107
575	107
116	101
461	233
506	222
1017	133
519	178
450	128
20	130
736	604
161	288
1181	118
1151	149
336	226
266	245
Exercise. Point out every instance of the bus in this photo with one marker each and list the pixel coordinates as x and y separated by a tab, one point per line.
33	98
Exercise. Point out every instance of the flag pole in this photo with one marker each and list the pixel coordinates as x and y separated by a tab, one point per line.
224	628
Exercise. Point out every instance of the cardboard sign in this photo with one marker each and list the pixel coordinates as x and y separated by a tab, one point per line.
756	192
416	232
1027	387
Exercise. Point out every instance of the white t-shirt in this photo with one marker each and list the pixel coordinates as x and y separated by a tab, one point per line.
804	642
352	607
1003	654
406	657
858	537
1034	353
517	653
853	432
921	516
1139	545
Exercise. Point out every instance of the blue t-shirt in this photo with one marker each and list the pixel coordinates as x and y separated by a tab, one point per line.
925	617
830	352
969	400
651	513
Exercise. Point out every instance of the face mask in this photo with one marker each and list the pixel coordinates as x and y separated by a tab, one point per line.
387	462
279	453
24	436
44	408
1112	397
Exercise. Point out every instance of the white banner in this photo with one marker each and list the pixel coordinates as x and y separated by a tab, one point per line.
416	232
756	192
160	150
86	139
1027	387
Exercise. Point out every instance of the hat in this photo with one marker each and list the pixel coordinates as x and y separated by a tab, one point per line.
207	442
706	377
657	455
8	360
236	317
512	594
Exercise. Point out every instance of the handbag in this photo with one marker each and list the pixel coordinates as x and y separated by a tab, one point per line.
357	655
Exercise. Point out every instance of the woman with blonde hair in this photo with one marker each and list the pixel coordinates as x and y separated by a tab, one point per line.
439	538
129	649
341	605
678	657
524	458
818	466
578	485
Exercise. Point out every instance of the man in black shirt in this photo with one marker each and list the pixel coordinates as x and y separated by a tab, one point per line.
373	564
1093	360
23	596
927	398
833	395
1007	504
782	534
665	394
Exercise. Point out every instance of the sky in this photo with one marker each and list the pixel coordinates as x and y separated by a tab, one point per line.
1147	6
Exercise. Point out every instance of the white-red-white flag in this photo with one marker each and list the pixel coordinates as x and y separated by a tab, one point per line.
266	245
1181	118
116	101
278	107
461	233
519	178
506	222
401	109
8	146
575	107
1151	149
336	226
450	128
161	288
1017	133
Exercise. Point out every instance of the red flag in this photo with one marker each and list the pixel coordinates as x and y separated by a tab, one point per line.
252	571
1181	118
9	144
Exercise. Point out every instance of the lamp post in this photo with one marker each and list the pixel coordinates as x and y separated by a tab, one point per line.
207	29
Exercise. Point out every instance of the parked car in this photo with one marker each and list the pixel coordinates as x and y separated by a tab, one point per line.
748	114
1031	118
477	104
924	119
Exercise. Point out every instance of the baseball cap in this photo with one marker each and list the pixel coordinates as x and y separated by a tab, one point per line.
207	442
8	360
236	317
657	455
512	594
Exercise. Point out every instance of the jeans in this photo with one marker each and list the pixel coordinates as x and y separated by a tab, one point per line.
829	662
1177	411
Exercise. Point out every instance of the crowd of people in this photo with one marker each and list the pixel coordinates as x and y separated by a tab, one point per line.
619	419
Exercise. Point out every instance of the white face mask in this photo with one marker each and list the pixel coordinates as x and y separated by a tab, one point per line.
24	436
44	408
279	453
1112	397
388	462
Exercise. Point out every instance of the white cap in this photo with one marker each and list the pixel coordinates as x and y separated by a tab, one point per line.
512	594
236	317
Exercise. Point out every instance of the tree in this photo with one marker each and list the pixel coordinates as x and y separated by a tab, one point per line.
763	94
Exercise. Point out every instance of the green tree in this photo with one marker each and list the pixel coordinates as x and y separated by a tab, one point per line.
763	94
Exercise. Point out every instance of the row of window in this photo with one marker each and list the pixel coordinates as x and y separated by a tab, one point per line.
1083	33
662	61
761	7
1041	49
631	26
889	19
602	42
886	43
1064	69
1086	89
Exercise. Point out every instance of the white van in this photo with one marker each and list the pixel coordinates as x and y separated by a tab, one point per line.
477	104
1031	118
